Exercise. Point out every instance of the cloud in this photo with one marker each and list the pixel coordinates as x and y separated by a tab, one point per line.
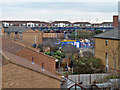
59	0
59	10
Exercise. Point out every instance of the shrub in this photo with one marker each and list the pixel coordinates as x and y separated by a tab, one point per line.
48	53
87	65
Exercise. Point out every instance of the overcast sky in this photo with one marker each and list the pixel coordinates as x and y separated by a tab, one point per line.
92	11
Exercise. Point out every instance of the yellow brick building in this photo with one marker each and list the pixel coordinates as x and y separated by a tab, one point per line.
107	48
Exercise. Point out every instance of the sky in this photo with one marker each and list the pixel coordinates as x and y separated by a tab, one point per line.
69	10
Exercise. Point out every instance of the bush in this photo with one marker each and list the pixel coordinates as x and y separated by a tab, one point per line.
60	54
48	53
87	66
58	57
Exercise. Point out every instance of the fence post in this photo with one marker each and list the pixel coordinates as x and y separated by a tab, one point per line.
90	78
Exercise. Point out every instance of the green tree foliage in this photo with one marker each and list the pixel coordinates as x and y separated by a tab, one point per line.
87	65
60	54
85	34
48	53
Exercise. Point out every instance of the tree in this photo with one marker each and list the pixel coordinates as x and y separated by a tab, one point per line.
87	65
82	34
51	43
70	51
88	54
85	34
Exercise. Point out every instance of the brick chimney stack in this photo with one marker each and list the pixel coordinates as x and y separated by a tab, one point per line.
115	20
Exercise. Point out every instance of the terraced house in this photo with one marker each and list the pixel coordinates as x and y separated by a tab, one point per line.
26	68
107	47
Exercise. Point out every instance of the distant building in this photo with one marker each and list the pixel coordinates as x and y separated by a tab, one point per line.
25	23
107	24
82	24
107	48
26	34
61	24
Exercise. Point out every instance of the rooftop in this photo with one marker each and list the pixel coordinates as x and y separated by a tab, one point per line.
113	34
16	29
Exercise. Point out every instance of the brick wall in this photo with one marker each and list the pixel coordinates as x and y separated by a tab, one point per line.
29	37
14	76
111	49
49	62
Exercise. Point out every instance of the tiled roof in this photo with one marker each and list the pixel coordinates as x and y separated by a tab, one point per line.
8	45
16	29
113	34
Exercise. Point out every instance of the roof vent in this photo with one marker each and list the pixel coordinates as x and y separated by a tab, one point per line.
32	60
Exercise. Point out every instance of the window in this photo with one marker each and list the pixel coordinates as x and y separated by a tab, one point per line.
20	34
106	42
16	33
106	57
37	24
23	24
11	24
43	66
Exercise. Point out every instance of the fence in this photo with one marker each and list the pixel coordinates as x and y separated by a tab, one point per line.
87	79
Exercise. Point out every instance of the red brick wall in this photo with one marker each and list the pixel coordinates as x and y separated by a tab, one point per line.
49	62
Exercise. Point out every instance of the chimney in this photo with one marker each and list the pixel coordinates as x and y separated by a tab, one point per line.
32	60
115	20
43	67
